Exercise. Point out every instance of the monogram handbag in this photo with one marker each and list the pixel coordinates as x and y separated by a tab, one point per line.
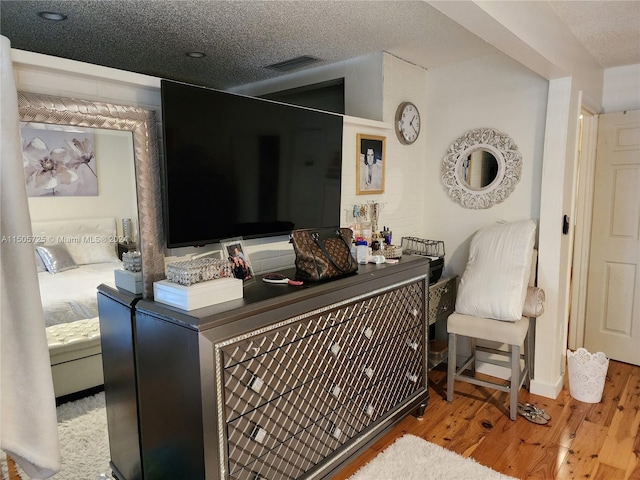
323	254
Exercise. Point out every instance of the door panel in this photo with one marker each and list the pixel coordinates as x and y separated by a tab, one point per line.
613	297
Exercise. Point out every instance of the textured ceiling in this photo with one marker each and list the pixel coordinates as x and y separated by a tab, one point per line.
240	38
609	30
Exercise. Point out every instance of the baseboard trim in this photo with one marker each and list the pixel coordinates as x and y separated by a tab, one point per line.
545	389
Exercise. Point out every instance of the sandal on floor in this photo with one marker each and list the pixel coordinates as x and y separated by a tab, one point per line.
533	413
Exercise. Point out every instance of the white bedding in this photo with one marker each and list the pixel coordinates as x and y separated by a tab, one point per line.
72	295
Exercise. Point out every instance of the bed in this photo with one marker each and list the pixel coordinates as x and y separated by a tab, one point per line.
73	258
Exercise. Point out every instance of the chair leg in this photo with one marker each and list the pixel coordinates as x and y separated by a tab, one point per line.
473	353
451	366
515	381
531	346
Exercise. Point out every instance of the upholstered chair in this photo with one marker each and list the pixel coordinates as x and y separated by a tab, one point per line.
497	302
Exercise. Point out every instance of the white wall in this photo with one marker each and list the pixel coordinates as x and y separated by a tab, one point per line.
494	92
621	89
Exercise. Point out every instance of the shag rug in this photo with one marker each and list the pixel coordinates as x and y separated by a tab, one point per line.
84	441
412	458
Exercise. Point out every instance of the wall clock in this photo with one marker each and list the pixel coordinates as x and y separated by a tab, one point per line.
407	123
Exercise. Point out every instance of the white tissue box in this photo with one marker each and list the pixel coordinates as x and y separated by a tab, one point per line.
197	295
129	281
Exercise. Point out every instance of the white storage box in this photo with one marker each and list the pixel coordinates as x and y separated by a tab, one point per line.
129	281
197	295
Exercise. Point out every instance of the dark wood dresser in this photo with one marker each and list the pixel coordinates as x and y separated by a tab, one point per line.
285	383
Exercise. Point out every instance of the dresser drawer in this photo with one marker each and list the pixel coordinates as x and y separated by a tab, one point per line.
375	310
325	413
296	393
287	364
442	299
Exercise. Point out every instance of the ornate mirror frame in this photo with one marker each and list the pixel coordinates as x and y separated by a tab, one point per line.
141	123
506	153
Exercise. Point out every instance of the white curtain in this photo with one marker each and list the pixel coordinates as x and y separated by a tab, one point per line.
28	423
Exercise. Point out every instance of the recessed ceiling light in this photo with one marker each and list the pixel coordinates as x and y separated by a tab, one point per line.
55	16
196	54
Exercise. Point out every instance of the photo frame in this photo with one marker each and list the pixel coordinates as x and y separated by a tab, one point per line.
233	249
370	164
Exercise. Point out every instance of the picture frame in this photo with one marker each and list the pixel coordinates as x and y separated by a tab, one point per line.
370	164
58	160
235	252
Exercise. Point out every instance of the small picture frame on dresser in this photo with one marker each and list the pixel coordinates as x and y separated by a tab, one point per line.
235	252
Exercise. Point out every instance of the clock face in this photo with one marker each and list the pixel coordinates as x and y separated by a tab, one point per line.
407	123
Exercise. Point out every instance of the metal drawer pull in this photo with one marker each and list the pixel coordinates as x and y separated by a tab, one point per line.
368	332
335	431
414	312
255	383
258	433
335	348
412	378
335	390
368	371
412	345
369	411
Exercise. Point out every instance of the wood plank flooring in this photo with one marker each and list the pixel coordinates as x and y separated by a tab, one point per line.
582	440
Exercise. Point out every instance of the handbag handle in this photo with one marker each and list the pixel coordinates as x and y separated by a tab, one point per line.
316	239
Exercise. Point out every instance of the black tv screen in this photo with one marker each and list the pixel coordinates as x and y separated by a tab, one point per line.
241	166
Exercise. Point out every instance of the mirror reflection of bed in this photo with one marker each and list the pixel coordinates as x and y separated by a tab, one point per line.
80	249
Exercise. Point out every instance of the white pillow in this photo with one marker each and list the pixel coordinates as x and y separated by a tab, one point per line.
494	283
95	247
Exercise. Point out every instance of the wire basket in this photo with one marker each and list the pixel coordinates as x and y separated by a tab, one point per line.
421	246
200	270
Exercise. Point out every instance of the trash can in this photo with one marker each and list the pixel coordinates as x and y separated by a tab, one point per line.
587	373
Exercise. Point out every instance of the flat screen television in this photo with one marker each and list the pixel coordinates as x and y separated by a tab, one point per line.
235	165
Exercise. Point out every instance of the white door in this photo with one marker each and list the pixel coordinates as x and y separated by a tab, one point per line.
612	323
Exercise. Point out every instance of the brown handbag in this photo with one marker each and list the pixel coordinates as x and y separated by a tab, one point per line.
323	254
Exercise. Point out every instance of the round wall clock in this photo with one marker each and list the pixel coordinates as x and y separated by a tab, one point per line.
407	123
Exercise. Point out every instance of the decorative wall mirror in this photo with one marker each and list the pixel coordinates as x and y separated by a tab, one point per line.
481	168
141	123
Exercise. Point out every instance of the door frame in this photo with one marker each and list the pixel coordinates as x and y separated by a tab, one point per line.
582	225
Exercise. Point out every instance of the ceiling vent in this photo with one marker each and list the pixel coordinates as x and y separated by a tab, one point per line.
293	63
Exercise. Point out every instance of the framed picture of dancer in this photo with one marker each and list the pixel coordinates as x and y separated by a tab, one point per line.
370	160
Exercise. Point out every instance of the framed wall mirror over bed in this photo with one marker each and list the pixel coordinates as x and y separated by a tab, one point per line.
69	112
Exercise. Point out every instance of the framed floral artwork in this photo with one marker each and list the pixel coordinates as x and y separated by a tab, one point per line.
370	160
58	161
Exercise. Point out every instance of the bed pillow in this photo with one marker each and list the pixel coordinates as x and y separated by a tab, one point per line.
92	248
56	258
494	283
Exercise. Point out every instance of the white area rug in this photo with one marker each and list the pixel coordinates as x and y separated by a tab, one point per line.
84	441
412	458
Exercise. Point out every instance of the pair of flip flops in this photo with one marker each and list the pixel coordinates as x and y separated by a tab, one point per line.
533	413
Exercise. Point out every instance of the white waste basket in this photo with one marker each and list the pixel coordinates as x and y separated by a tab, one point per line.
587	374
